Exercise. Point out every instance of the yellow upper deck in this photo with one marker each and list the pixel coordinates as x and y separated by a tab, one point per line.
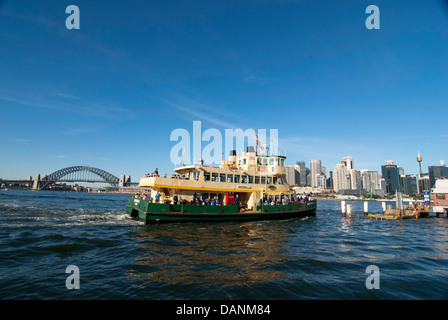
248	173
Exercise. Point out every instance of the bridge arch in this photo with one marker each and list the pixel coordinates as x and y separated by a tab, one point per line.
105	176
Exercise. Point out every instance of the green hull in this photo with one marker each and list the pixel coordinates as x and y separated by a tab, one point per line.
163	213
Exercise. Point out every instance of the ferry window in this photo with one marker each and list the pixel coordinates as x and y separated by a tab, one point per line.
257	179
196	175
244	179
237	178
214	176
244	161
263	180
259	161
272	169
230	178
282	162
206	176
222	177
239	162
271	161
275	180
268	180
265	161
251	179
440	196
280	180
204	196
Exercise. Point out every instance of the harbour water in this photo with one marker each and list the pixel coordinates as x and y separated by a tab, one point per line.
320	257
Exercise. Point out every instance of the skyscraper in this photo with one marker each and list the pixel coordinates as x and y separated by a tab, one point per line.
292	175
348	162
296	175
345	177
391	173
315	169
409	183
302	172
437	172
341	177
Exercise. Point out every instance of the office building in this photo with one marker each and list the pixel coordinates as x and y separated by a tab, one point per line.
437	172
391	173
348	162
373	183
424	183
315	169
321	181
409	184
296	175
292	175
341	177
302	172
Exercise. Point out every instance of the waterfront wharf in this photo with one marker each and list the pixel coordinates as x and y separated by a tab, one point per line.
410	211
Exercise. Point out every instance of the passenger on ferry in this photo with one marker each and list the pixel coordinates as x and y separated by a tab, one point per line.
237	201
156	172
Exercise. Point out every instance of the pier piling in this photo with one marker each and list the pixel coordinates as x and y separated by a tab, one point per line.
343	208
366	208
349	210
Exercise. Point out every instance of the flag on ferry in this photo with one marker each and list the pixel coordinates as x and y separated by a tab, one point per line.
258	144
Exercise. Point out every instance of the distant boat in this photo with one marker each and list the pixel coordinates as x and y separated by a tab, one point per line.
246	188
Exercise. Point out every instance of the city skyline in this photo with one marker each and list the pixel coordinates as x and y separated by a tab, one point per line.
345	178
109	94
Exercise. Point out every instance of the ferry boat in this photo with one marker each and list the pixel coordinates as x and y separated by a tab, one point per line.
249	187
439	196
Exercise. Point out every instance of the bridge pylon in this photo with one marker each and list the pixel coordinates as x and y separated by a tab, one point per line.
36	183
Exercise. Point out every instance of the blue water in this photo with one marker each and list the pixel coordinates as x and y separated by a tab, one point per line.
320	257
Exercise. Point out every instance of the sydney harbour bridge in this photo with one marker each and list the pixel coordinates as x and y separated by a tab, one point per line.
74	174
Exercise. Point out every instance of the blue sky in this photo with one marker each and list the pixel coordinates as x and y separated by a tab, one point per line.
109	94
